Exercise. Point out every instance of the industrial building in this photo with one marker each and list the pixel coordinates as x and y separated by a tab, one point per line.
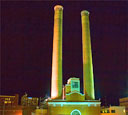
68	100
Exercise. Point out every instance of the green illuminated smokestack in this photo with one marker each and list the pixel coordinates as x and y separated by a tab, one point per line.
88	82
56	85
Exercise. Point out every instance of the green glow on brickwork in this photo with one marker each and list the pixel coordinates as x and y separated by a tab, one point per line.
88	82
56	87
76	112
75	103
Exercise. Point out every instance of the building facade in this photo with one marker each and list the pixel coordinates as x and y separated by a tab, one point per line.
124	102
9	105
113	110
29	101
74	102
9	100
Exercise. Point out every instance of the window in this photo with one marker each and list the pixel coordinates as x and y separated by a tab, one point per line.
75	85
105	111
113	111
108	111
75	112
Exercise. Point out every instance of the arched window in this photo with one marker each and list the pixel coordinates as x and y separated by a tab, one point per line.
75	112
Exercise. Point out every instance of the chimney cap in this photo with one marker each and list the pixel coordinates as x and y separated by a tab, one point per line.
59	7
84	12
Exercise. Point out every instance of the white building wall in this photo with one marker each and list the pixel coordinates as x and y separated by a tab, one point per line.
119	110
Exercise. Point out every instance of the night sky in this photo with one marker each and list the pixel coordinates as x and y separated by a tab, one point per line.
27	36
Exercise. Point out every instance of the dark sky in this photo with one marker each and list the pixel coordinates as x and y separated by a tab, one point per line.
27	34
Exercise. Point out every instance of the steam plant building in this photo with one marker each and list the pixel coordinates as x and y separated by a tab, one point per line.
68	100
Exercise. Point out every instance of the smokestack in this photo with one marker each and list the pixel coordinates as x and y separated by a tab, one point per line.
88	82
56	87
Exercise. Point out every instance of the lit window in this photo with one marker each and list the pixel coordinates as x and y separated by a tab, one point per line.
6	98
75	84
124	111
5	102
9	101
